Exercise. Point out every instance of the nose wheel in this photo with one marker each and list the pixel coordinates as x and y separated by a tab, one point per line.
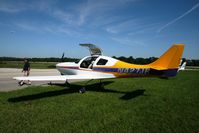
101	84
83	89
21	83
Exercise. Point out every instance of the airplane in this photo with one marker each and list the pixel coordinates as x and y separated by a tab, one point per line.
98	67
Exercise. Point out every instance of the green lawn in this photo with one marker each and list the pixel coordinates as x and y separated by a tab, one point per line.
125	105
19	64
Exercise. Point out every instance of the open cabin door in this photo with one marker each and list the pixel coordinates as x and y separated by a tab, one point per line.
94	50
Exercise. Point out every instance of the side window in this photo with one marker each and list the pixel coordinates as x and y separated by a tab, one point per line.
102	62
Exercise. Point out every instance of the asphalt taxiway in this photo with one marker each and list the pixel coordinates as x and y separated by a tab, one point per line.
7	83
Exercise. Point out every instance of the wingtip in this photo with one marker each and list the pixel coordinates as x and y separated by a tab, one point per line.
16	78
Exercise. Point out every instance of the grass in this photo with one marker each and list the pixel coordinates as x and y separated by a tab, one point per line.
125	105
19	64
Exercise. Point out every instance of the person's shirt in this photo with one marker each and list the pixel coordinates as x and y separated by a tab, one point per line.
26	66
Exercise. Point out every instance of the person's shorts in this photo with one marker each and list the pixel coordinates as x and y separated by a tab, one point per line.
25	70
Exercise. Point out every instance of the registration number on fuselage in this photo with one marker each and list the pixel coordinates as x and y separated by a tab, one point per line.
134	70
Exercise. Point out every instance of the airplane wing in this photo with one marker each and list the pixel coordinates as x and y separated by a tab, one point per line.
64	77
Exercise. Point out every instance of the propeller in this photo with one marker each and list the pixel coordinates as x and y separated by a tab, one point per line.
62	58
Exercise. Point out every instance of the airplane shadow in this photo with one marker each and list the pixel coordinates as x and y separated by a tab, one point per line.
72	88
133	94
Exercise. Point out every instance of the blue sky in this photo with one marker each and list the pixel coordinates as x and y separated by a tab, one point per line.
138	28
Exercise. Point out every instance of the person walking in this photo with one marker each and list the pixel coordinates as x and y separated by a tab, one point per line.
26	67
26	71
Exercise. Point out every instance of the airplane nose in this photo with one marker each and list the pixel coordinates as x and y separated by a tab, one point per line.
58	65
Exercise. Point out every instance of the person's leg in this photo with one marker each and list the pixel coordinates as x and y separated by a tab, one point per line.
24	73
28	73
22	81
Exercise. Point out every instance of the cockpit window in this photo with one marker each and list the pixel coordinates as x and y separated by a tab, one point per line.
102	62
88	62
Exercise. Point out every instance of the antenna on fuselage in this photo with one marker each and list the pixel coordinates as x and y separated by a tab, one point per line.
94	50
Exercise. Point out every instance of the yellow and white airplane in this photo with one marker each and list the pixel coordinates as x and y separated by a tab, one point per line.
97	66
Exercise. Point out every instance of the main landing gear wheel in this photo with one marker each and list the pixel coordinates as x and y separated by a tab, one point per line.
102	85
82	90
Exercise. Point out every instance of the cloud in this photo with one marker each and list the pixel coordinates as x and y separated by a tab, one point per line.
11	8
123	26
89	11
79	14
132	27
127	41
29	27
12	31
63	16
111	30
178	18
80	19
145	29
52	29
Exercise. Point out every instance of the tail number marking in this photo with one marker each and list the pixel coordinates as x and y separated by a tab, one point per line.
134	70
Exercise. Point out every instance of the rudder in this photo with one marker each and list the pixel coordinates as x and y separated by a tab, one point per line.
170	59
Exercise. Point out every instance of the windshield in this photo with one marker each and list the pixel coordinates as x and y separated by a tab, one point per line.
77	61
88	62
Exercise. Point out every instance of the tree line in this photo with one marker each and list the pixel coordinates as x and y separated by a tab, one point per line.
130	59
49	59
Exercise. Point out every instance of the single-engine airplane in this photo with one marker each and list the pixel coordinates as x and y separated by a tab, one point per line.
97	66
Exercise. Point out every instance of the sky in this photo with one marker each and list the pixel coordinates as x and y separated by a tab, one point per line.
138	28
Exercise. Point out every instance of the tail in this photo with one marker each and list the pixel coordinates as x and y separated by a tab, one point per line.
170	59
169	62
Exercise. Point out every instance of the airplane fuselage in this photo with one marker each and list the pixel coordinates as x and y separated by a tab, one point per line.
103	64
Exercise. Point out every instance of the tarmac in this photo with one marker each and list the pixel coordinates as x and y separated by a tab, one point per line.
7	83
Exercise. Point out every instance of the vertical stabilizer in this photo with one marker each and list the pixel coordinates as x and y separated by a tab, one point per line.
170	59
